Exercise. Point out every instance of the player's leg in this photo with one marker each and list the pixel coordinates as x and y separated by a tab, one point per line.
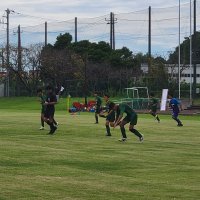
48	118
107	128
51	124
122	128
155	115
175	117
97	112
54	121
133	122
42	121
110	119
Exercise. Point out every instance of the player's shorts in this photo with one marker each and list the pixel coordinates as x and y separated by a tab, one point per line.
131	118
154	110
175	114
111	117
98	110
49	113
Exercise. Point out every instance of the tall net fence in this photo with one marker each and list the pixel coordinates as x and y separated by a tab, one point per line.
131	29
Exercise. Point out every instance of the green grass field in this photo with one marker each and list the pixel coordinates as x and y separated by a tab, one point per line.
80	163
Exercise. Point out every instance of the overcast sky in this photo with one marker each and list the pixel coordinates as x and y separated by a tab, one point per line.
130	31
68	9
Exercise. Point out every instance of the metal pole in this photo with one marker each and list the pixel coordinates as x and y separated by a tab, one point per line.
113	22
179	54
19	60
45	43
111	31
75	29
190	52
8	55
149	39
194	53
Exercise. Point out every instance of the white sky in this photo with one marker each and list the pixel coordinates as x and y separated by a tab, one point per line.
63	10
37	11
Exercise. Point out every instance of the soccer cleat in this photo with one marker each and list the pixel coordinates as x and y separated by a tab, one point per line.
108	134
96	122
52	131
141	139
179	124
122	139
41	128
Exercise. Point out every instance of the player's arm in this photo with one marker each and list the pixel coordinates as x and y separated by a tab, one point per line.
118	120
180	106
51	103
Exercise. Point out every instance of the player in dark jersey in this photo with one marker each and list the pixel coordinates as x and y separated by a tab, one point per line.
50	109
131	116
97	107
110	117
175	105
42	100
153	105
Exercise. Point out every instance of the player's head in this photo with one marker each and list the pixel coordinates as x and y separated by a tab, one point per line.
170	95
95	94
111	106
106	97
151	94
39	91
49	89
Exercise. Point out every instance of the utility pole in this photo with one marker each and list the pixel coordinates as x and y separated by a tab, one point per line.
8	55
19	59
75	29
8	12
45	41
19	49
194	53
112	22
149	40
113	30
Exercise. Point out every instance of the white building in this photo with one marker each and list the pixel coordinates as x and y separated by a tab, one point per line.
172	70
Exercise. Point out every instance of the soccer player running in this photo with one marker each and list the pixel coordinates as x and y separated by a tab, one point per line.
131	116
153	104
97	107
110	118
175	105
50	109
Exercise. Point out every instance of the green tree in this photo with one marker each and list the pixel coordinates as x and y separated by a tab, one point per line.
63	41
185	51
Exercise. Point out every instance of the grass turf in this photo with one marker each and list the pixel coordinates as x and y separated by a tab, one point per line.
80	163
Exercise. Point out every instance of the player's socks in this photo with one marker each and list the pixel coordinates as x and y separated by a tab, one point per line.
123	131
96	118
52	127
108	130
177	120
137	133
157	118
42	122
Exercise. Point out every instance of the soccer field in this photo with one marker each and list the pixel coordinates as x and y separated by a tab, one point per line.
80	163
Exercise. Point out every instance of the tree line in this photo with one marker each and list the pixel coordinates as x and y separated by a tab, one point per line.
83	67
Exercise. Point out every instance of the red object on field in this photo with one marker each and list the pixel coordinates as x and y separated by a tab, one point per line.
78	105
91	103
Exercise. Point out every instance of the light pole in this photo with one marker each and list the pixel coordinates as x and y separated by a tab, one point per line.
179	52
190	52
